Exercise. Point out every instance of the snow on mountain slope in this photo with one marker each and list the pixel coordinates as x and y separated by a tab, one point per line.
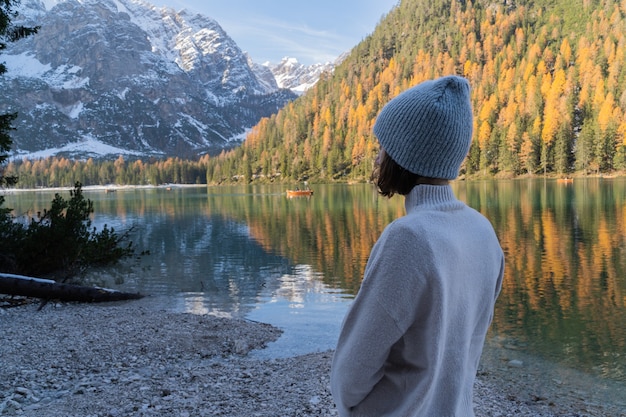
291	74
132	77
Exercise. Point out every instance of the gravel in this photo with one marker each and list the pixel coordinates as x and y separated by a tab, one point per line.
132	359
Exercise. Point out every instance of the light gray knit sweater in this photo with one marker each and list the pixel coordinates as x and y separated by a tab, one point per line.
411	342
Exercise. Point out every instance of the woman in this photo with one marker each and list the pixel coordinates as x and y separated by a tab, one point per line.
411	342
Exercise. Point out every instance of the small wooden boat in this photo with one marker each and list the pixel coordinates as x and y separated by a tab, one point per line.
565	180
299	193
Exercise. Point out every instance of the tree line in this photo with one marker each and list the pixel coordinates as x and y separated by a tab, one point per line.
53	172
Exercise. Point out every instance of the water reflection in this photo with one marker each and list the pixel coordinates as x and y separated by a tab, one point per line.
306	308
250	251
564	294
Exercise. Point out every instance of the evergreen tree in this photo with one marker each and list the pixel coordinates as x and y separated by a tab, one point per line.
8	33
60	243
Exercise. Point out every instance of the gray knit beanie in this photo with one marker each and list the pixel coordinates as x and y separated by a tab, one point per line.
427	129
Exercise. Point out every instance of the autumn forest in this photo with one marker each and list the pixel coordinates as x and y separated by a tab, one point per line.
549	98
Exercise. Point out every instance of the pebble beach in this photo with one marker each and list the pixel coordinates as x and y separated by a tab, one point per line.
132	359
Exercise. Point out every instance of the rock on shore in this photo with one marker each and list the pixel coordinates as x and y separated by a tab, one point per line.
129	359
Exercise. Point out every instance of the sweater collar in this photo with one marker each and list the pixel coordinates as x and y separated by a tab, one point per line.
429	195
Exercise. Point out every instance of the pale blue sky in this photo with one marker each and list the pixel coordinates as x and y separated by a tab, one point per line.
311	31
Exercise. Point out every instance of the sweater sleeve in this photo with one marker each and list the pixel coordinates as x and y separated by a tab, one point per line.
364	344
370	329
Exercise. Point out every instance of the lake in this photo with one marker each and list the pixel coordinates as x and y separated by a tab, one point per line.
251	252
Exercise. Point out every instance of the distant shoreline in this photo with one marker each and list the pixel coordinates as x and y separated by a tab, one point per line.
553	177
105	188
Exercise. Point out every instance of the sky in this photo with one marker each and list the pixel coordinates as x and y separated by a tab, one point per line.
312	31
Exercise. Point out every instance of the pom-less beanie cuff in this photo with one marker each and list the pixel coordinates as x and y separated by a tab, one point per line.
427	129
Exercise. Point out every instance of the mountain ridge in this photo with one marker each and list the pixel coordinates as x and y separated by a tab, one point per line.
126	77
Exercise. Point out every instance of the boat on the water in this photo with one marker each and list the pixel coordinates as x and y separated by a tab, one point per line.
306	192
299	193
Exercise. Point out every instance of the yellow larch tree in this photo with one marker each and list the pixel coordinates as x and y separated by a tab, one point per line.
606	113
552	111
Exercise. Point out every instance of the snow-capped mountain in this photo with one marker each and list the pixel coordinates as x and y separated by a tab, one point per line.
125	77
291	74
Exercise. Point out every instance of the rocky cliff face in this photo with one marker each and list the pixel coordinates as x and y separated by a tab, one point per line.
106	77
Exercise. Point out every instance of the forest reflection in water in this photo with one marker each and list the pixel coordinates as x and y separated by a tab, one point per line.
245	250
564	294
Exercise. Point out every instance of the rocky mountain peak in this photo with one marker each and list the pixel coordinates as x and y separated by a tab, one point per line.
290	73
131	77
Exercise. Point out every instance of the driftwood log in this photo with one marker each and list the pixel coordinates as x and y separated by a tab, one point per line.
47	289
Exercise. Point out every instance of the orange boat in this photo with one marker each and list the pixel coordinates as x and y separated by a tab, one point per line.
299	193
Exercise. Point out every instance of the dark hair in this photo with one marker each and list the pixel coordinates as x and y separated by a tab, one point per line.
390	178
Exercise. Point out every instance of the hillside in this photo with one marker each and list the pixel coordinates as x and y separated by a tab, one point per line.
548	92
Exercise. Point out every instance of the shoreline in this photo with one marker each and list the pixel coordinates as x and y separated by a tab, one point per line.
114	187
132	359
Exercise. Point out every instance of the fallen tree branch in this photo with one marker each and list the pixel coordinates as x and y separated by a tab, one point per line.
47	289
